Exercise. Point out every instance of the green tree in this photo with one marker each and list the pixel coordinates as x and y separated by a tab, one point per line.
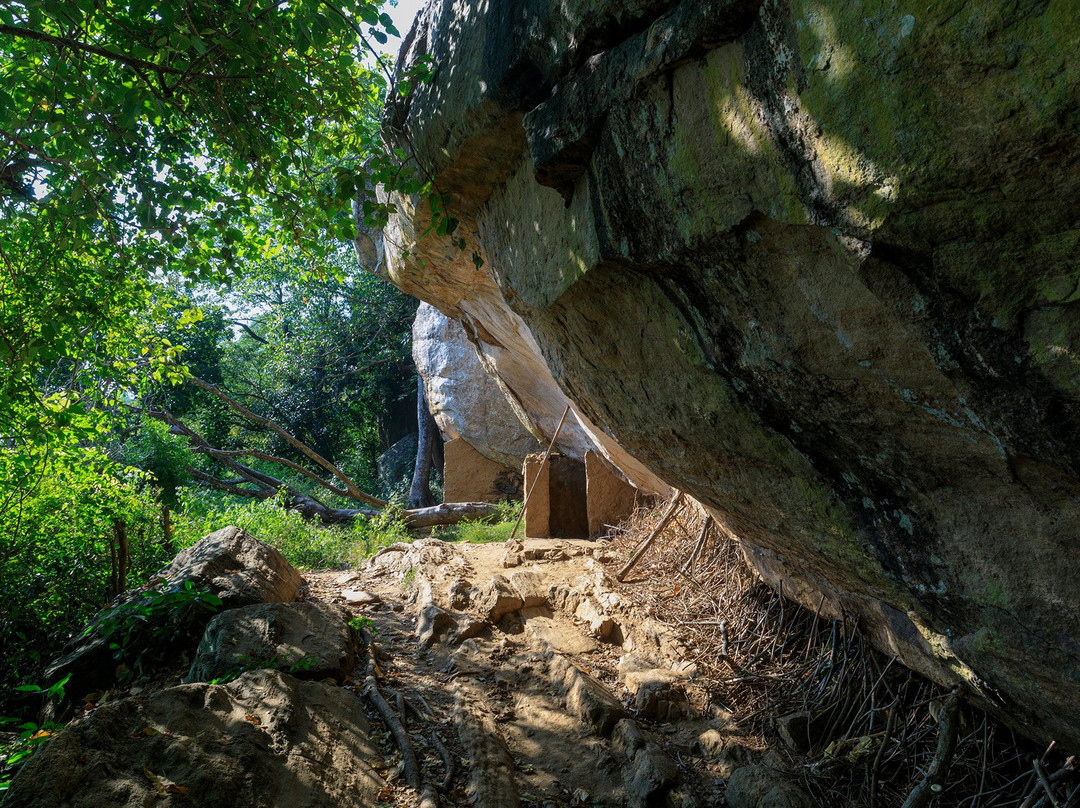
142	138
69	542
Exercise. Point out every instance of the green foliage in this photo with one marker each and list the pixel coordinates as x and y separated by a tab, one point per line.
58	553
30	735
364	623
305	544
161	454
143	141
496	529
141	632
325	355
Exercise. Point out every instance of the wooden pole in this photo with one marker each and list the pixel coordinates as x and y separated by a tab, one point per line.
645	545
532	487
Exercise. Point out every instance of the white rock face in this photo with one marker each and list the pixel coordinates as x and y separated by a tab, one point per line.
466	401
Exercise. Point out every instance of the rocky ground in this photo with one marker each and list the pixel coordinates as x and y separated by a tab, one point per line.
549	686
519	674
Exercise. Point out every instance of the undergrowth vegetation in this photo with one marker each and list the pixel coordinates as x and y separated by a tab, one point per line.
483	531
306	544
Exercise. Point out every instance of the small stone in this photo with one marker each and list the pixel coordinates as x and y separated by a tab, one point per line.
498	599
627	737
600	625
530	587
711	743
432	625
470	628
512	559
586	697
564	598
799	731
460	593
733	757
358	597
654	773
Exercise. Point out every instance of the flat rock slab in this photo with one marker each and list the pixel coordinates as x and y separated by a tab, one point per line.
310	640
358	597
561	636
586	697
264	741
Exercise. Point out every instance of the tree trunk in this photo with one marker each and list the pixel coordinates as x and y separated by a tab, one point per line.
167	530
438	456
449	513
420	491
119	558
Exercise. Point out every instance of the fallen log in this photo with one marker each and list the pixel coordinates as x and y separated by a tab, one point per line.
449	513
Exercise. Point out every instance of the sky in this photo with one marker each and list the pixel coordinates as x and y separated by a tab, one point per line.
403	15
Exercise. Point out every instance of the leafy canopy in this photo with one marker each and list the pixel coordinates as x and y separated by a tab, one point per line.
143	138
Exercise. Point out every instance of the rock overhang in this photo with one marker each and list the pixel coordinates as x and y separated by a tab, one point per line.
811	265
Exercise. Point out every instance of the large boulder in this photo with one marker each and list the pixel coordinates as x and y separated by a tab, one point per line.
236	567
264	741
466	401
308	640
145	627
811	262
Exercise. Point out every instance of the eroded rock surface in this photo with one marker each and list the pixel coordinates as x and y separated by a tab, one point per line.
814	264
266	740
229	563
309	640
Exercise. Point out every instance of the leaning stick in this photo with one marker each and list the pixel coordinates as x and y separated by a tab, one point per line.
938	770
645	545
699	546
532	487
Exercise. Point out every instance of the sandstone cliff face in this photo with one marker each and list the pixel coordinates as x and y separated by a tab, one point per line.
811	262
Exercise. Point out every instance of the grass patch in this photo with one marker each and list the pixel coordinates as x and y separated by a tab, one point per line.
307	545
484	531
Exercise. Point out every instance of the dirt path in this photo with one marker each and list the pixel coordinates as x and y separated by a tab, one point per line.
548	687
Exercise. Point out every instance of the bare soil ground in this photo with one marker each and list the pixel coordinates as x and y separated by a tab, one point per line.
526	675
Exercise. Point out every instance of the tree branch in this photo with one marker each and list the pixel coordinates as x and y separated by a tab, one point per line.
353	491
249	330
85	47
341	492
228	486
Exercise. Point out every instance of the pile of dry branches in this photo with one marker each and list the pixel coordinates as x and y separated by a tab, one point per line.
861	728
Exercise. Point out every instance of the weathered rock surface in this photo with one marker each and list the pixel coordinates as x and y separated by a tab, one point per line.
814	264
236	567
265	741
464	397
759	786
229	563
468	476
309	640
